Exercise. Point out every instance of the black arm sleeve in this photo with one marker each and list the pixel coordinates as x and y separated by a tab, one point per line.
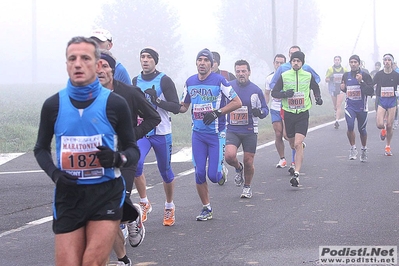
172	103
277	91
42	149
145	110
119	115
344	78
315	87
367	86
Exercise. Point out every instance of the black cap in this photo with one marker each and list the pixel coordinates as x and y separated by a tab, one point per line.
299	55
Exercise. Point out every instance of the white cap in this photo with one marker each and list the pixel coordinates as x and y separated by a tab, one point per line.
101	34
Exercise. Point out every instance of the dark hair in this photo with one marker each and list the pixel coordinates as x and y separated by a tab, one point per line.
280	55
216	57
295	46
389	55
242	62
337	56
81	39
378	63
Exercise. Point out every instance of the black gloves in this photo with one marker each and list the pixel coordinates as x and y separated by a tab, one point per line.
59	176
319	101
152	93
108	158
288	93
211	116
257	112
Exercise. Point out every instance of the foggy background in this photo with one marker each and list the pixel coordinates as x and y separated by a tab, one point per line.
34	33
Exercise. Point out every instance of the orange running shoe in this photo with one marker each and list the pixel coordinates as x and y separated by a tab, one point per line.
388	151
146	208
169	217
383	134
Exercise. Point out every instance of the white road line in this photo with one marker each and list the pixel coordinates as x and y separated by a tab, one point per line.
28	225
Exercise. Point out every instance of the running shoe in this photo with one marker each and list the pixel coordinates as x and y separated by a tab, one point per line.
206	214
353	154
146	209
246	192
383	134
125	232
336	125
224	176
169	217
129	263
136	228
363	155
282	163
295	180
291	170
238	178
388	151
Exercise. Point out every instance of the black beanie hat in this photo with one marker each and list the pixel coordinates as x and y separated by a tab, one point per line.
299	55
110	60
152	52
356	57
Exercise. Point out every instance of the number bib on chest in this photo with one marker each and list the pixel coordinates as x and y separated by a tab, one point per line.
239	116
354	92
337	78
199	110
387	92
297	101
78	156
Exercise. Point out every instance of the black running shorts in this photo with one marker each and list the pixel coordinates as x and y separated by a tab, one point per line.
74	206
296	123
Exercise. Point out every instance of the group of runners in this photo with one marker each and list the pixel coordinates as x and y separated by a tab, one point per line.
105	124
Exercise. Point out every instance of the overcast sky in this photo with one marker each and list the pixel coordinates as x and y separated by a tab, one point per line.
346	28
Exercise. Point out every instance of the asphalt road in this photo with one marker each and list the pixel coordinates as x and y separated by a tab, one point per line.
339	202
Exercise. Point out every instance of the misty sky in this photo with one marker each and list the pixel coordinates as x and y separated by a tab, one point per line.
346	28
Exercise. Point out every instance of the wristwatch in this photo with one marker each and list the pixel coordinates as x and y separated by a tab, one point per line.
158	100
219	111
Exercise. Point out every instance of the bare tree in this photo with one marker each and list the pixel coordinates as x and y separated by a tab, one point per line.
136	24
246	27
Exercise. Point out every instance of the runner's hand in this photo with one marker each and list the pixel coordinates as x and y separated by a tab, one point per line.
211	116
59	176
107	157
152	93
289	93
257	112
319	101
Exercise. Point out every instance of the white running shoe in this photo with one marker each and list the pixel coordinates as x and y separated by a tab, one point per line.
353	154
282	163
238	178
136	228
246	192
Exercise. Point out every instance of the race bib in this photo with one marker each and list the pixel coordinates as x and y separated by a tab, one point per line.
297	101
78	156
199	110
239	116
387	92
354	92
337	78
